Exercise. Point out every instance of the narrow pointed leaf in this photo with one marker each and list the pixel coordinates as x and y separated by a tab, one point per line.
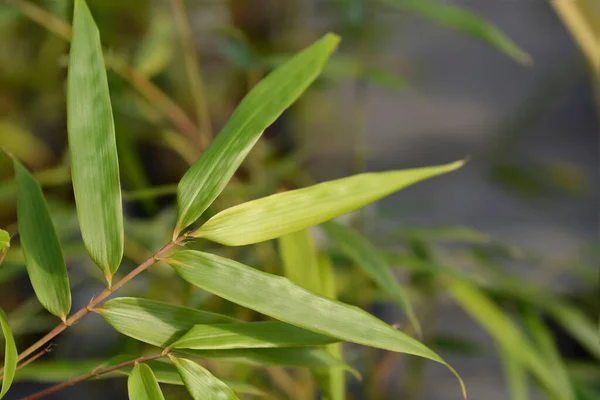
10	355
260	108
154	322
142	384
464	21
505	332
242	335
167	373
43	256
578	324
516	374
300	260
283	213
279	298
200	383
92	146
366	256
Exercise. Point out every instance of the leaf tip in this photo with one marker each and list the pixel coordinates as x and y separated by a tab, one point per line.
333	39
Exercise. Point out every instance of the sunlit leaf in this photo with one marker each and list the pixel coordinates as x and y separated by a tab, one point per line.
477	304
92	146
279	298
43	255
287	212
142	384
246	335
366	256
10	355
154	322
260	108
200	383
464	21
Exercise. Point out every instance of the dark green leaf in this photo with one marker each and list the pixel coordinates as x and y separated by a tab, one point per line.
92	146
247	335
43	255
279	298
154	322
287	212
260	108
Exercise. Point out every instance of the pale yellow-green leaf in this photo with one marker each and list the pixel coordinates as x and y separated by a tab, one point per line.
287	212
4	239
92	146
142	384
279	298
203	182
43	256
201	384
10	355
300	260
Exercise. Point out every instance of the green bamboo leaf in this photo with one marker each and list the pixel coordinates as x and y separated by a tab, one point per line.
43	255
300	260
167	373
579	325
154	322
477	304
10	355
283	213
142	384
516	374
200	383
246	335
464	21
92	146
4	239
279	298
203	182
368	257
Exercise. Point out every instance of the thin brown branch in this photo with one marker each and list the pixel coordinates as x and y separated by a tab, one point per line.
98	299
93	374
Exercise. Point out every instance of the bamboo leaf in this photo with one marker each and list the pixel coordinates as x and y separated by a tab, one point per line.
366	256
246	335
464	21
4	239
142	384
516	374
92	146
505	332
43	256
279	298
300	260
283	213
10	355
154	322
203	182
580	326
200	383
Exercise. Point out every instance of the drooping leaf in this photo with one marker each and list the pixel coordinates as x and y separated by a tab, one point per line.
43	255
464	21
505	332
203	182
247	335
580	326
200	383
281	299
142	384
287	212
515	373
92	146
10	355
154	322
366	256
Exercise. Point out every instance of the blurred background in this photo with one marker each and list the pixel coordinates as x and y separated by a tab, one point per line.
509	84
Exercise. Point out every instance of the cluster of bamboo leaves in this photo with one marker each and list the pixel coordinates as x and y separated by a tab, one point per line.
308	326
302	318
